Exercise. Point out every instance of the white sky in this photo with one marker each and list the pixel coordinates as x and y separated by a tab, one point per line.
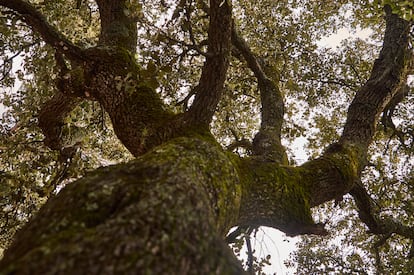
335	39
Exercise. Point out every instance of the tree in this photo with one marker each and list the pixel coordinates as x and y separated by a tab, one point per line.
169	209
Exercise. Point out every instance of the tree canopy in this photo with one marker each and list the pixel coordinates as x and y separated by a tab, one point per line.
193	108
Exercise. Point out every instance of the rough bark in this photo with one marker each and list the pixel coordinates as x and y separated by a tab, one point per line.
387	80
387	76
165	213
214	72
117	29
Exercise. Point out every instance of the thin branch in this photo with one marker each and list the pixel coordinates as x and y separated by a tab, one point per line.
9	60
371	217
377	245
356	72
38	22
339	82
193	46
243	143
250	258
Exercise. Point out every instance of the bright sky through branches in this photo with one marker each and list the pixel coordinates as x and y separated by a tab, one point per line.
278	245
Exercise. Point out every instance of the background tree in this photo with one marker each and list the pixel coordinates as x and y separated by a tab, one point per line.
161	75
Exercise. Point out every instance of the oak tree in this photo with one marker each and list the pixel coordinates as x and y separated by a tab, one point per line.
185	105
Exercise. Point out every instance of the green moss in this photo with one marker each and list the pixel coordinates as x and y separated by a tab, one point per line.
346	159
172	201
275	195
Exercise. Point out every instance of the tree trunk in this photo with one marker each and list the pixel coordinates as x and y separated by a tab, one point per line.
165	213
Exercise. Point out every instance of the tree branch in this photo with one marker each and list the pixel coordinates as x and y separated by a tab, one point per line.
51	118
117	29
371	217
377	246
267	142
214	72
387	75
388	111
387	79
38	23
242	143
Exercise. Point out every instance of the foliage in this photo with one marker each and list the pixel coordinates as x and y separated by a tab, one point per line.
317	84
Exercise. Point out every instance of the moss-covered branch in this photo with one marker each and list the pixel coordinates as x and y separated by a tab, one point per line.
276	196
176	202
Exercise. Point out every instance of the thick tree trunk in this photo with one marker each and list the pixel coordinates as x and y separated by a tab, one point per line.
165	213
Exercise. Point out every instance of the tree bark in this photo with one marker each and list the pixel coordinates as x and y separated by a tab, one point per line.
165	213
267	142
